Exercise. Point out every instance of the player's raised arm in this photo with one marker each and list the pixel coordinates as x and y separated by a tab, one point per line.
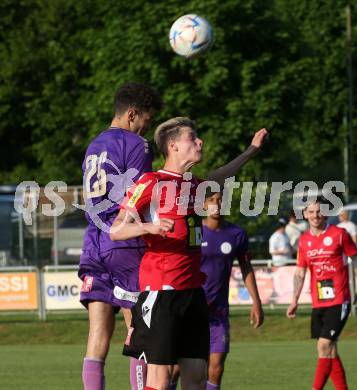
232	168
299	278
125	226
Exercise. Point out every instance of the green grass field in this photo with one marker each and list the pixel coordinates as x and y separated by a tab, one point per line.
48	355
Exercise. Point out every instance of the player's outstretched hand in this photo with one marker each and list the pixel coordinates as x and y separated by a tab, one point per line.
291	310
256	315
259	137
161	227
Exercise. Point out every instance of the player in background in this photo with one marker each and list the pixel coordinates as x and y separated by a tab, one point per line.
345	223
170	319
222	242
323	249
109	269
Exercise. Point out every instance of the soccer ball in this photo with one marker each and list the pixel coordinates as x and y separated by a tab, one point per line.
190	35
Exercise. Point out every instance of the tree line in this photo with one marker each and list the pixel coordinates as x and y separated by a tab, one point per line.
278	64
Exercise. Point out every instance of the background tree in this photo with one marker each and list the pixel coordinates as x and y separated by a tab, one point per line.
276	64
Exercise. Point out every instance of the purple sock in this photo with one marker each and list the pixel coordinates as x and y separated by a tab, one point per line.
173	386
138	370
93	374
211	386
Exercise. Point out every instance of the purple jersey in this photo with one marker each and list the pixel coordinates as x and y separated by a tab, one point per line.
219	249
109	156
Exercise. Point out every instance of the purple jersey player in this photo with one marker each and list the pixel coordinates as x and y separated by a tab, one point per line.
109	269
222	243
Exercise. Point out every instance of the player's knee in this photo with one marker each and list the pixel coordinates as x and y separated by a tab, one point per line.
98	344
97	350
325	348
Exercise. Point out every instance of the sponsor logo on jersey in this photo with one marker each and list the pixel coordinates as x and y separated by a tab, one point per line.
145	310
332	332
319	253
87	284
130	296
226	248
325	290
136	195
327	241
322	268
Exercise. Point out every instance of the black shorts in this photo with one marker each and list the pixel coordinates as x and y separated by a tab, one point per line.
328	322
169	325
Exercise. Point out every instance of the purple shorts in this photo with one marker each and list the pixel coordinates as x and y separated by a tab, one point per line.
111	277
219	335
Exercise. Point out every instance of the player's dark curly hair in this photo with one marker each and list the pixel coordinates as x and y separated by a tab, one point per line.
136	95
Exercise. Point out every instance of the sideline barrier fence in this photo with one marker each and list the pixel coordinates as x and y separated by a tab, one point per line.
20	289
60	289
57	288
275	284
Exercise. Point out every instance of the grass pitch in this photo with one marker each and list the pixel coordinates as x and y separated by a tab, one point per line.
48	355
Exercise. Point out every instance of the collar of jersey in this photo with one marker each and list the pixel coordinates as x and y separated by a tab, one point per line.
170	173
323	232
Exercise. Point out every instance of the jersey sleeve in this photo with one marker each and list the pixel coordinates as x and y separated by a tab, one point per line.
242	245
301	255
242	250
139	196
348	246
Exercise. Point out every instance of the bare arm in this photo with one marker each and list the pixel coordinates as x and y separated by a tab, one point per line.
125	227
256	314
299	278
232	168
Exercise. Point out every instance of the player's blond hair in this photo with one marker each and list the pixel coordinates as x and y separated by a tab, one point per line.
170	130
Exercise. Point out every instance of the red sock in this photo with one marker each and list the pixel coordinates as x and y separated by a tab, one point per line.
323	370
338	375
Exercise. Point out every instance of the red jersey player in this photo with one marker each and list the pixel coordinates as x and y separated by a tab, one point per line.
170	319
323	249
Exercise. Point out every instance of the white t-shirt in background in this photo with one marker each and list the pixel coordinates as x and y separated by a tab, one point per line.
350	227
280	242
